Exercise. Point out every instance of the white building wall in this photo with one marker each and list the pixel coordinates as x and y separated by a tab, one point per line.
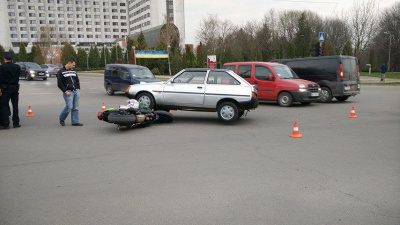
5	36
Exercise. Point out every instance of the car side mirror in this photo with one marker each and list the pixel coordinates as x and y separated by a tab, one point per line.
271	77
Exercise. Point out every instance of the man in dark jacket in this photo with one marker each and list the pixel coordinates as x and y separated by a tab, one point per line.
9	83
68	83
383	72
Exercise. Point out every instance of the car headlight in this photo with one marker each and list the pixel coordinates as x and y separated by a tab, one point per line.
31	72
302	88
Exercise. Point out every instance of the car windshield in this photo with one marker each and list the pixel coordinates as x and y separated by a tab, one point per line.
142	73
31	65
284	72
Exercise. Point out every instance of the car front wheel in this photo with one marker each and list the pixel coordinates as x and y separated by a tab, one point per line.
285	99
146	99
227	112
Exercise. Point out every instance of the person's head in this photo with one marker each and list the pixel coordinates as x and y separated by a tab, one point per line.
70	64
8	57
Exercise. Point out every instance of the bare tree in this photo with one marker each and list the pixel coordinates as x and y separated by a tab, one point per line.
387	42
363	24
337	31
208	33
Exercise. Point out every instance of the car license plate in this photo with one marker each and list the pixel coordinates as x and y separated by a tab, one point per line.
41	73
346	88
314	94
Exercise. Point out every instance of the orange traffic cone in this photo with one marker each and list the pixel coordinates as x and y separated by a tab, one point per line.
103	107
352	113
296	133
30	113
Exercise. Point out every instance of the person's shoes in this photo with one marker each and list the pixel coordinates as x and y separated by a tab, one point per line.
62	123
4	128
77	124
17	125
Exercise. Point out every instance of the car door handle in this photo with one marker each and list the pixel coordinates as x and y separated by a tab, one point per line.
199	87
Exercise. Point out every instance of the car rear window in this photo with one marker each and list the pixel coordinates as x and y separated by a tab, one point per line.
349	65
221	77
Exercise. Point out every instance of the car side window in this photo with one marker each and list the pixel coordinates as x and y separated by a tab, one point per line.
191	77
114	71
244	71
262	72
221	77
125	74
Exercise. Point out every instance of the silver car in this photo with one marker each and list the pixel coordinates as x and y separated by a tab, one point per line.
51	68
208	90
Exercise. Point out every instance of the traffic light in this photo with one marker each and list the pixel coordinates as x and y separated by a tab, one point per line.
316	49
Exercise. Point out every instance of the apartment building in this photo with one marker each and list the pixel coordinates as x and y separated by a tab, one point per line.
84	22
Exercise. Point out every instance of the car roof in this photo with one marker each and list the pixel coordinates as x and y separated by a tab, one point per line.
204	69
125	65
252	62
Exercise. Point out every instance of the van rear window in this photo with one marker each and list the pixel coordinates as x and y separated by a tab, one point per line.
349	66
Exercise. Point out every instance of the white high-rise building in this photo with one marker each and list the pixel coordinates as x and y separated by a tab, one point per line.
148	14
84	22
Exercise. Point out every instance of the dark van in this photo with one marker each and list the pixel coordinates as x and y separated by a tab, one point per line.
117	77
338	76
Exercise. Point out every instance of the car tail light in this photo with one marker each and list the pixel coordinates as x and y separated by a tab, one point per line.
358	72
341	71
254	94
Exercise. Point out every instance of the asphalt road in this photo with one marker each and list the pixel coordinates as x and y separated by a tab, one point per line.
199	171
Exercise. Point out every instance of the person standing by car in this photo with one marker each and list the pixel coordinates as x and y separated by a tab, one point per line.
68	83
383	72
9	83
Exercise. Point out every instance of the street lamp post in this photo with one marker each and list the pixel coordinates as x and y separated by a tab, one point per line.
134	54
105	60
390	45
169	62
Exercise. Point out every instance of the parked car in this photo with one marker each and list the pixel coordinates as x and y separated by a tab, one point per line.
51	68
276	82
338	76
207	90
117	77
31	70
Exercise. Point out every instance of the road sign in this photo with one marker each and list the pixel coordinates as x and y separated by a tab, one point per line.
321	36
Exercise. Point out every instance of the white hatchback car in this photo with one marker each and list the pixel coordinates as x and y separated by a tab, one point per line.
207	90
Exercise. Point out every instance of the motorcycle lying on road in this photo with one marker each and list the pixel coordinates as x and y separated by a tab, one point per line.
134	115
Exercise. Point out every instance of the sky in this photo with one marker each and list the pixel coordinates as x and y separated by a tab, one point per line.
241	11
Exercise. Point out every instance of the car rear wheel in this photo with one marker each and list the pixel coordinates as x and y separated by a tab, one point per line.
285	99
326	95
342	98
109	89
146	99
227	112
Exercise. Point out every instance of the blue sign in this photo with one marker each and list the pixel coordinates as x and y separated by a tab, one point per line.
321	36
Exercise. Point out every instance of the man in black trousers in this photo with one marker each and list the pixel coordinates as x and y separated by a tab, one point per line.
9	83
